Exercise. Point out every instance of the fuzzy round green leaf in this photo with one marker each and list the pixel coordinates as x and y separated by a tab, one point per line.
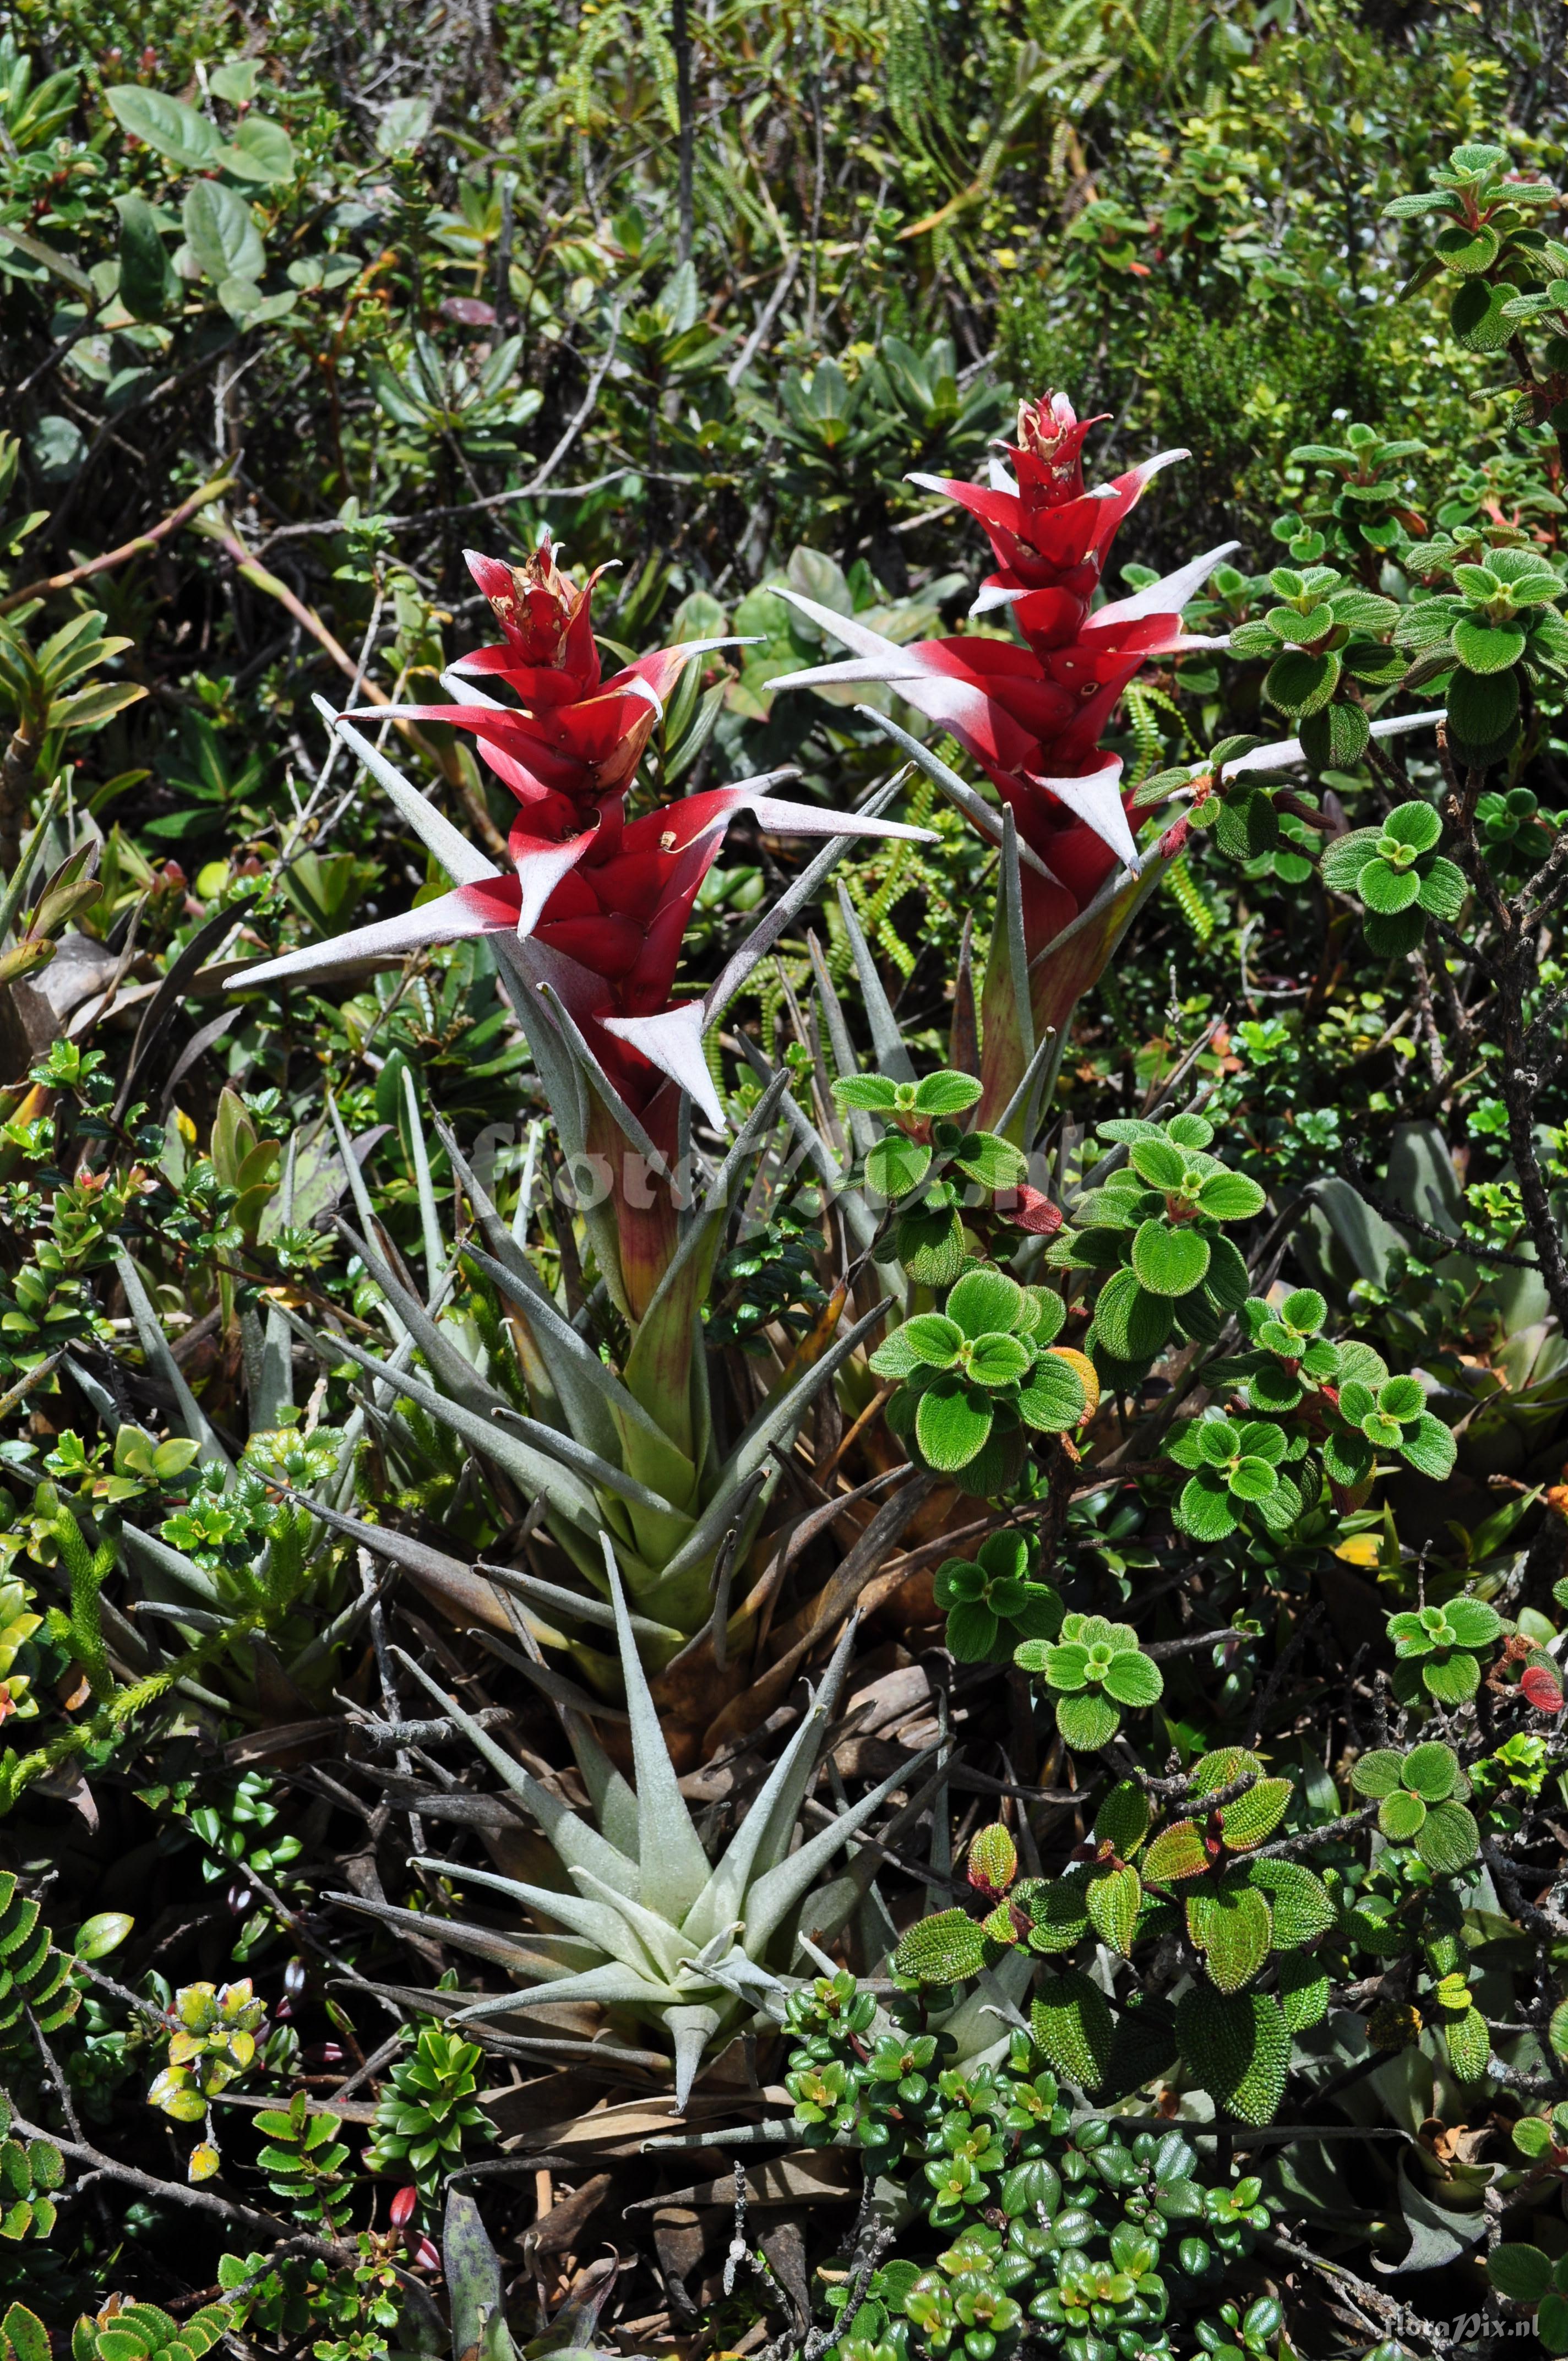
1216	1441
1386	890
932	1339
1401	1398
998	1361
1392	935
1226	1278
1299	682
1053	1399
1487	647
991	1162
1041	1317
896	1165
1131	1323
1087	1721
1191	1130
1230	1197
1346	856
972	1633
1430	1771
1252	1480
929	1242
1414	824
1474	1623
1468	250
1432	1449
1451	1680
1204	1510
1304	1309
1521	2273
946	1094
1401	1815
1134	1679
1483	707
1169	1261
1159	1163
985	1303
1444	889
952	1422
1337	738
1448	1837
876	1094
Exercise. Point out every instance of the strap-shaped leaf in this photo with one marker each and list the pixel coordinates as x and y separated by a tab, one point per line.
674	1868
154	1344
579	1846
775	1894
887	1042
773	1427
763	1836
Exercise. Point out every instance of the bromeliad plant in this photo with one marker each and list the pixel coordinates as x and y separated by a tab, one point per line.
590	921
1031	710
692	1949
588	932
